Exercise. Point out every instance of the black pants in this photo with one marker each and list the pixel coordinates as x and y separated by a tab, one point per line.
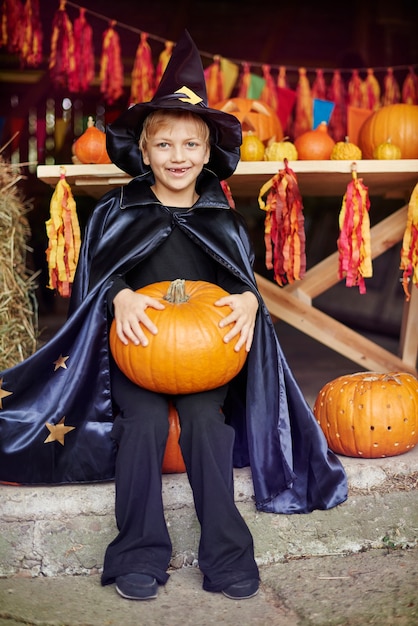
143	545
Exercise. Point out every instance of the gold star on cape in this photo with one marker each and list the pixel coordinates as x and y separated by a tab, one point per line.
3	393
58	431
60	362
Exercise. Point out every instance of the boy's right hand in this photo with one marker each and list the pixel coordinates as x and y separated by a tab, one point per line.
130	316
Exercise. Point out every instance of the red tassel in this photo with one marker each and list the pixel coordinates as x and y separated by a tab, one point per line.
245	81
354	241
11	25
371	91
338	121
409	251
84	53
392	92
284	232
303	112
227	191
61	61
163	60
410	88
63	238
355	90
111	68
269	95
31	52
142	83
318	87
214	82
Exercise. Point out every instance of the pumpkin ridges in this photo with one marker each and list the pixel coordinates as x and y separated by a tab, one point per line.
172	362
398	121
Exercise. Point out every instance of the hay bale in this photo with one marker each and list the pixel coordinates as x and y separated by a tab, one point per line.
18	306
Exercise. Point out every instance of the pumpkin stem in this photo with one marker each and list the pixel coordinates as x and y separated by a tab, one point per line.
176	293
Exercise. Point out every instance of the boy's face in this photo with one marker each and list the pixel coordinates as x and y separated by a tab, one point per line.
176	153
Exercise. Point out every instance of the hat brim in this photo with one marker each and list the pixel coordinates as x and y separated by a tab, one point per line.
123	134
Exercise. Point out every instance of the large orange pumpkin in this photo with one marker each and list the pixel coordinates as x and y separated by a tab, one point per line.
255	116
399	122
188	353
315	145
173	462
369	414
90	147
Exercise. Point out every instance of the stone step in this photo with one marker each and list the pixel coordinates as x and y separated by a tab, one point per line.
64	530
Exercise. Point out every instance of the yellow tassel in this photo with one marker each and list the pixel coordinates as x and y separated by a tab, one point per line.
63	238
409	251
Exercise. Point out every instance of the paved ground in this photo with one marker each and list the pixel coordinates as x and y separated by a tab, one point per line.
376	586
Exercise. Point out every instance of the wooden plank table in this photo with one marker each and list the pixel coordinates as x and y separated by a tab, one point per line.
293	303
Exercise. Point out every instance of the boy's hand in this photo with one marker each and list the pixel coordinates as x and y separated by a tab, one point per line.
130	316
244	310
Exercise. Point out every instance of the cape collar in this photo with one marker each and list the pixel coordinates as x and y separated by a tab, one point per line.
138	192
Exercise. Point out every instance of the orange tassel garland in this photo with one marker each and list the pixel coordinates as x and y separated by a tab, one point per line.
284	232
409	251
354	248
63	238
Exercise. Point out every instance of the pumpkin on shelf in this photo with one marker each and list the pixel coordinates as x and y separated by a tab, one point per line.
369	414
90	147
281	150
315	145
387	150
173	462
188	354
398	121
345	151
252	148
255	116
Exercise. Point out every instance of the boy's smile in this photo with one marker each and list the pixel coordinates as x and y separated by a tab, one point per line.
176	153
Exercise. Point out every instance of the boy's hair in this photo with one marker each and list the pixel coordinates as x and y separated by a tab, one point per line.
162	117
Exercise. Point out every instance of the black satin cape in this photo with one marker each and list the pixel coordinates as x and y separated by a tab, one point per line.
56	409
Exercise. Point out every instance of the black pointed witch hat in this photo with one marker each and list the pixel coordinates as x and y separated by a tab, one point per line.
182	87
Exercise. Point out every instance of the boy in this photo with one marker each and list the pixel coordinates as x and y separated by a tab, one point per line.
171	221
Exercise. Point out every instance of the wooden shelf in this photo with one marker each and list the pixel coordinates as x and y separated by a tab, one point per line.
394	179
293	303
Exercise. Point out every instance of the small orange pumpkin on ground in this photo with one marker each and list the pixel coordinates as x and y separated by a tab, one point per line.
369	414
188	354
90	147
255	116
173	462
315	145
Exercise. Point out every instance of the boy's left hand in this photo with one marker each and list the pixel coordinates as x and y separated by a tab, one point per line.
244	310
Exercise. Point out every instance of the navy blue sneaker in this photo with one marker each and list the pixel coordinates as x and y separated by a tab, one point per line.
137	587
242	590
